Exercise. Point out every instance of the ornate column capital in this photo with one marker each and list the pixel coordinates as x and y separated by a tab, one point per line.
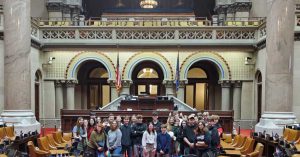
59	83
70	83
168	83
225	83
237	84
126	83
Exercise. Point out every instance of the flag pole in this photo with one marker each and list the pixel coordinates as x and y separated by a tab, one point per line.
177	80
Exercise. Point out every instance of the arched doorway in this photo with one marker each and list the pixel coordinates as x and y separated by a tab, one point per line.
92	85
203	91
258	78
147	79
37	98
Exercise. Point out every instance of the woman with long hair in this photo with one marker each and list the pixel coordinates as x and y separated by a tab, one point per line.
97	141
91	127
202	140
78	134
114	139
179	137
149	141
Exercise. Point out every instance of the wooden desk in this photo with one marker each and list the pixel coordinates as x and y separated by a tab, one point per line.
269	146
147	104
226	146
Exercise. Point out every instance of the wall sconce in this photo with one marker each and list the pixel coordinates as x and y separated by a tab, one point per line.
249	61
50	61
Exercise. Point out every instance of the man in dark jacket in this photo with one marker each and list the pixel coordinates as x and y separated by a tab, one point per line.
126	137
137	132
189	136
215	138
163	142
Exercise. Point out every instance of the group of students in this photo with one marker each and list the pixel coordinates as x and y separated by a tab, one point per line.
180	135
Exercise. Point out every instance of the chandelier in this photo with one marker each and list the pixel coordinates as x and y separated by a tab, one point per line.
148	4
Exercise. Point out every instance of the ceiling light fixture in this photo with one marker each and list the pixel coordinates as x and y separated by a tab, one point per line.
148	4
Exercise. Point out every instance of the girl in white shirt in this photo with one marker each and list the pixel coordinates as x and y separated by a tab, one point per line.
149	141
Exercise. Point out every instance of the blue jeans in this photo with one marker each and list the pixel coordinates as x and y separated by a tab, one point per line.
117	151
138	150
100	154
127	149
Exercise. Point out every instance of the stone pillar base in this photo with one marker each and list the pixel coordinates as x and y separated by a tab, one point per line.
23	120
274	122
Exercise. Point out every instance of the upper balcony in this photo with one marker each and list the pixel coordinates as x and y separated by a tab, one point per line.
241	32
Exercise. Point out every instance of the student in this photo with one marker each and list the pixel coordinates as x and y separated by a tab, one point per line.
137	133
78	133
91	127
114	137
215	138
156	122
126	139
163	142
202	140
149	141
96	144
189	135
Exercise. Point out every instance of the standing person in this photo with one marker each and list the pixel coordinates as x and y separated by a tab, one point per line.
189	136
97	141
111	118
179	138
119	121
133	119
215	138
106	125
149	141
202	140
137	133
163	142
78	133
126	137
91	127
114	137
175	130
156	122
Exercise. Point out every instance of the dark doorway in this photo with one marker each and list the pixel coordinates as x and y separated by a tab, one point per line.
92	77
259	94
37	95
202	85
147	79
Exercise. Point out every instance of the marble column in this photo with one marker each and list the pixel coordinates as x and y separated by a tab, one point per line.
66	13
237	88
1	76
169	84
279	66
125	87
70	85
59	103
225	104
17	69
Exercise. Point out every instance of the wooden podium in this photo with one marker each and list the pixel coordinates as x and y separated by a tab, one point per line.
147	103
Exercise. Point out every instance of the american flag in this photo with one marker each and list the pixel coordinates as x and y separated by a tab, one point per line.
118	76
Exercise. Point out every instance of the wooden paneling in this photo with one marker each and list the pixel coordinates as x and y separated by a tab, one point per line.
69	117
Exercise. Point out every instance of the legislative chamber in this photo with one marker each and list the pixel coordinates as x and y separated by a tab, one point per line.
219	77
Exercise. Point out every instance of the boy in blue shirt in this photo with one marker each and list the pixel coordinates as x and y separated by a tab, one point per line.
163	142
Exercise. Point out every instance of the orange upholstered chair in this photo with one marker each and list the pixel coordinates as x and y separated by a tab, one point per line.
257	152
34	152
44	144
